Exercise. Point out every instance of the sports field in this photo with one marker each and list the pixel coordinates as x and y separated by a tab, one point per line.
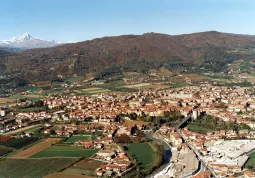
143	152
33	168
65	151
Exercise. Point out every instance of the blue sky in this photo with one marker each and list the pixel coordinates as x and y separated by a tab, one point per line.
78	20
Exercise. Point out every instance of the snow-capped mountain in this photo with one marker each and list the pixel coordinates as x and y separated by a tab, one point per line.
21	38
26	41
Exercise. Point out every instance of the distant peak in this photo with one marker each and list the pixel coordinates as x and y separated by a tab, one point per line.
25	36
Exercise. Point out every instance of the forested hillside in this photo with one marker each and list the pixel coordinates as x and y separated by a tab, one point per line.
207	51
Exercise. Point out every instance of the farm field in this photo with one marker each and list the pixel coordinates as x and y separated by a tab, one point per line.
58	91
251	161
33	97
84	167
74	79
92	90
34	168
143	152
137	86
76	138
5	150
66	175
143	86
65	151
18	143
132	122
36	148
6	100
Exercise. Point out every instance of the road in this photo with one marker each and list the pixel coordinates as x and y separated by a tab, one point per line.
21	129
204	166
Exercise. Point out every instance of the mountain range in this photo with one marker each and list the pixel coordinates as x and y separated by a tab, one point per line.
197	52
26	41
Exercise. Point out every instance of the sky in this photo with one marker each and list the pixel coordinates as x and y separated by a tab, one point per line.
79	20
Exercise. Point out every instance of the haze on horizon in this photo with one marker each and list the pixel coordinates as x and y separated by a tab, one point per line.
78	20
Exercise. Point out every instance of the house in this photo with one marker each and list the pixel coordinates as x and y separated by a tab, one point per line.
88	144
106	154
205	174
249	174
244	131
176	139
107	140
99	172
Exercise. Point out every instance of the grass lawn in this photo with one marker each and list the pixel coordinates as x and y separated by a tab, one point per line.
143	152
65	151
84	167
251	161
33	168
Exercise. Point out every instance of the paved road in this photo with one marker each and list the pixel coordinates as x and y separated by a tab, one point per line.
202	164
200	158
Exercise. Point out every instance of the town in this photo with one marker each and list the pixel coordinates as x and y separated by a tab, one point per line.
209	131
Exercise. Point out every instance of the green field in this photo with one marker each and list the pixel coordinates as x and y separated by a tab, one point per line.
34	168
84	167
142	152
5	150
74	79
76	138
90	91
137	86
18	143
53	92
199	129
65	151
251	162
33	96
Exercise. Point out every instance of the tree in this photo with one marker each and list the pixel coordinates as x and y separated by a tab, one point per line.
39	103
